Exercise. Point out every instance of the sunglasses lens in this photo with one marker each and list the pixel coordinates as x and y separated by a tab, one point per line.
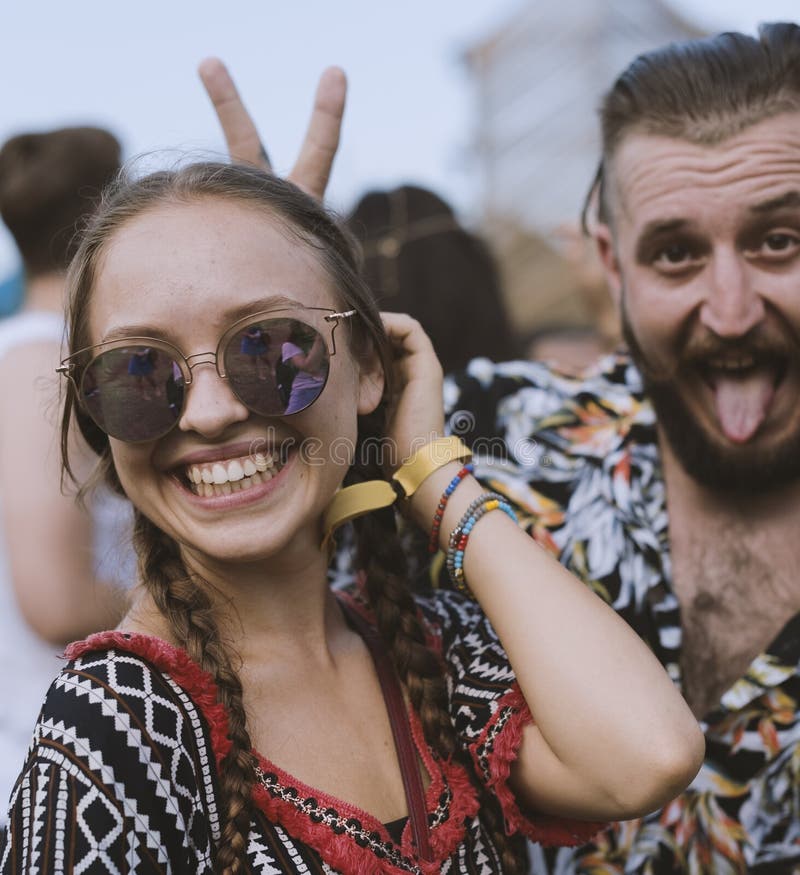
277	366
134	393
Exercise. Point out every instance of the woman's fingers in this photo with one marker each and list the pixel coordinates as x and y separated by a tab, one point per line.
415	355
313	167
241	134
416	411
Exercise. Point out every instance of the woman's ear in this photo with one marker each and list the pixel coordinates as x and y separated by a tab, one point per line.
371	382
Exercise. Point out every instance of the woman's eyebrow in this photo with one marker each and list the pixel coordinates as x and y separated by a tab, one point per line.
271	302
121	332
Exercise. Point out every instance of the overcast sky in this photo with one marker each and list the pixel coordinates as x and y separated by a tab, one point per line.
131	67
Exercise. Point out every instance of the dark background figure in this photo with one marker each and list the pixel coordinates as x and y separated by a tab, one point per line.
419	260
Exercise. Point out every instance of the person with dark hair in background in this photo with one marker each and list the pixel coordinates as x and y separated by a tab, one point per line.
669	479
60	566
419	260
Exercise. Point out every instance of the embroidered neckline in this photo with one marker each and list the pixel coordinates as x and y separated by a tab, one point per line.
344	835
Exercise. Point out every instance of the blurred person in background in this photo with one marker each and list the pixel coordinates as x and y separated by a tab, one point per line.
60	565
419	260
572	348
11	291
669	478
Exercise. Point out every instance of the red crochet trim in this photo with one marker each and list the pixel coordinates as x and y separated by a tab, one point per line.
340	851
542	828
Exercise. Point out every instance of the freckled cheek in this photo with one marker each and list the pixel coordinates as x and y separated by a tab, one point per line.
134	468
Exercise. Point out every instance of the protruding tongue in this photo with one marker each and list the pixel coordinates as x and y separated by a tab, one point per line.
743	401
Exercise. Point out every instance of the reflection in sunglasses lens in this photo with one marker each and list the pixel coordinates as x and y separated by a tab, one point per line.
277	366
134	393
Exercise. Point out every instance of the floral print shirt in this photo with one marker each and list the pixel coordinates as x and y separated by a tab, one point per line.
580	460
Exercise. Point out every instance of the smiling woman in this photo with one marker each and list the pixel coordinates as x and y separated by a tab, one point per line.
243	717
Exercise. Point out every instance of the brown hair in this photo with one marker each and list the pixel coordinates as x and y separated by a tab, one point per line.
703	91
188	602
418	259
50	184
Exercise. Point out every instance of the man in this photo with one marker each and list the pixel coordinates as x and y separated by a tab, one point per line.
669	478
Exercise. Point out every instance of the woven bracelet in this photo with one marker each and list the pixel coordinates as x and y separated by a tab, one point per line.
433	543
460	535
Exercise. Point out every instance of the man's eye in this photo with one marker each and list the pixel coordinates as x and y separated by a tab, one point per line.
671	259
780	242
675	254
779	246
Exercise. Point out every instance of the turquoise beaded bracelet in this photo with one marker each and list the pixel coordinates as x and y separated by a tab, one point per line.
460	535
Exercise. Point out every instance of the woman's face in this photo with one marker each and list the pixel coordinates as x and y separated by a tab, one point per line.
185	273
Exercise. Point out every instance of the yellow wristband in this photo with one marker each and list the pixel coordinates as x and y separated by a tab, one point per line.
428	459
354	501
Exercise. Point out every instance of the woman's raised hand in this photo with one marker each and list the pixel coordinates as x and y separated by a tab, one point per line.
416	413
313	166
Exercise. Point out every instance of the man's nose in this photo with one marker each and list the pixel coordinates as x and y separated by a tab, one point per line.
732	304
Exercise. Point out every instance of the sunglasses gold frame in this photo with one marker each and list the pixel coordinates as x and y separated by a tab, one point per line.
75	365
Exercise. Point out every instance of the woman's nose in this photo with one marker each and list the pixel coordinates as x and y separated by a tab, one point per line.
211	405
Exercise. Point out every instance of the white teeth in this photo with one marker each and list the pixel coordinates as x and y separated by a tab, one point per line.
736	364
235	471
225	478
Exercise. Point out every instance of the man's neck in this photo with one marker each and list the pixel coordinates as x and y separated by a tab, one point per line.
732	571
45	292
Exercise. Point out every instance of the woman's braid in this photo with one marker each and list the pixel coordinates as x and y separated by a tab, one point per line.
185	602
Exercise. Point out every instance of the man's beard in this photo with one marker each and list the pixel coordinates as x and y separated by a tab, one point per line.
744	470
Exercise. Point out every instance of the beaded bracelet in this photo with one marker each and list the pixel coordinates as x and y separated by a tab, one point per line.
460	535
433	544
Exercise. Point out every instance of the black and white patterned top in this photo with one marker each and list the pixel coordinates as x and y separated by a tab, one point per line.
122	773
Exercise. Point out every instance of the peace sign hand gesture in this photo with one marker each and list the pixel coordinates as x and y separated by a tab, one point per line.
313	166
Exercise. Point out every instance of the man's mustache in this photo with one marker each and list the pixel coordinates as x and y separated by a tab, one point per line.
762	349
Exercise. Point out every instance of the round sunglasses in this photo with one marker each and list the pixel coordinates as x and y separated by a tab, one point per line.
276	363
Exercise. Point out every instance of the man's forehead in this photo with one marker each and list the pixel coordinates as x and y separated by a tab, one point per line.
653	176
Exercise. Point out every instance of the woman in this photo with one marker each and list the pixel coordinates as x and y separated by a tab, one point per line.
240	702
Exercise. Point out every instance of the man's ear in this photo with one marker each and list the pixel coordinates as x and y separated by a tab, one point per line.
604	242
371	382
